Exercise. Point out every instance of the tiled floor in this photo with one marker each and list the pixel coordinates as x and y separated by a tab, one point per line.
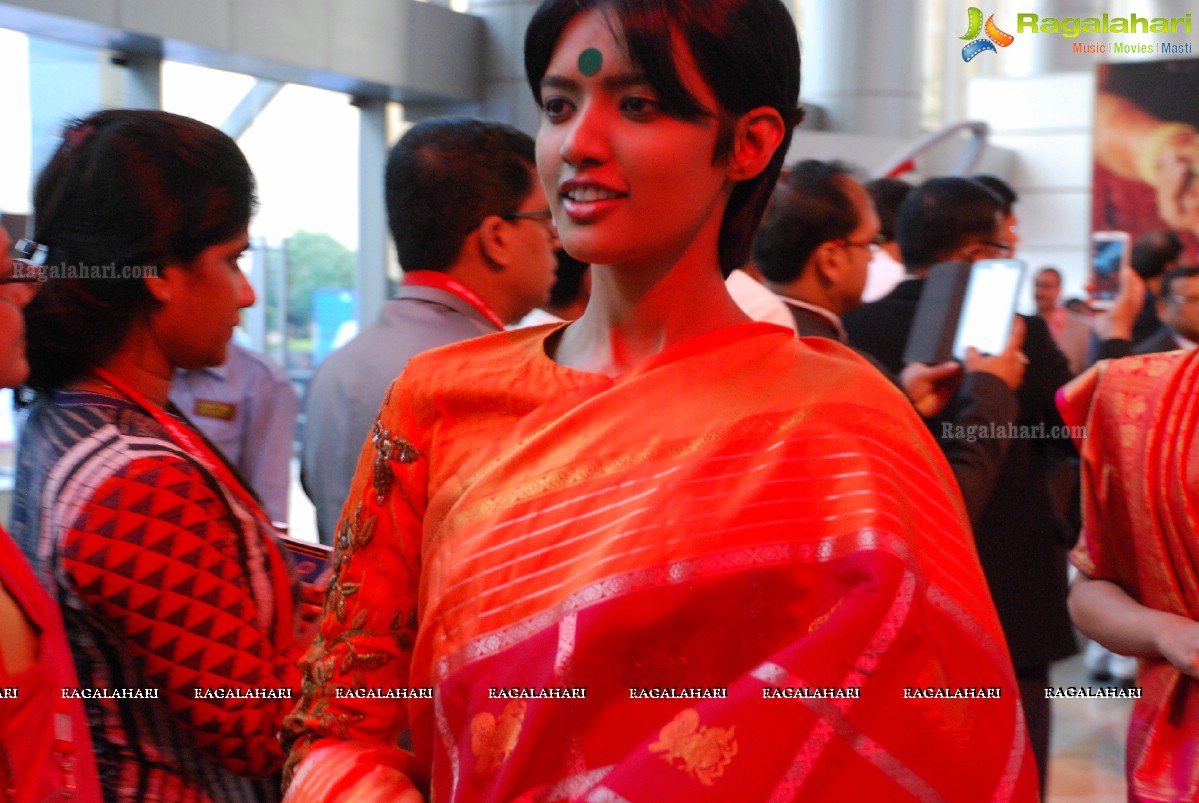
1086	764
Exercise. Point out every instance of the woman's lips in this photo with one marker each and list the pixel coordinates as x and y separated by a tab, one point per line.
586	201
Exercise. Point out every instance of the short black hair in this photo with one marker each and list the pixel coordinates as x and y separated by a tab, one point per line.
887	195
747	51
130	187
1050	269
940	216
810	206
1169	277
1153	251
1002	189
444	176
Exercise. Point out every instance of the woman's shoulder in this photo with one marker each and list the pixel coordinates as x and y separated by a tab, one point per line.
79	433
505	364
501	352
67	419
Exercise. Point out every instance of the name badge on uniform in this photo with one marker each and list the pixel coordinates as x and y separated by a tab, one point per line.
215	409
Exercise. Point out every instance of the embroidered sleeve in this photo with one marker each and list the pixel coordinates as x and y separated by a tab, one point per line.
155	552
358	668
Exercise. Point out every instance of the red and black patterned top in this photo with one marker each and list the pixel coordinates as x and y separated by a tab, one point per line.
185	663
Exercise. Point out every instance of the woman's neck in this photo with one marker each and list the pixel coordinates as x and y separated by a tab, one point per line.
144	370
634	314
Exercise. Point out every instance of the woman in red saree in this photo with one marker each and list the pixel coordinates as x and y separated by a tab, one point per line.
661	553
1138	593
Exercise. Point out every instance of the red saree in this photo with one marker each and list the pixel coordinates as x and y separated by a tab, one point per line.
740	513
1140	463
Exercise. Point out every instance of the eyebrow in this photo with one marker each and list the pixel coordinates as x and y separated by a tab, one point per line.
609	82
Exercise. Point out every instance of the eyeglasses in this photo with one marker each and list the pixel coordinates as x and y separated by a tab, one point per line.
1003	248
869	245
28	263
543	215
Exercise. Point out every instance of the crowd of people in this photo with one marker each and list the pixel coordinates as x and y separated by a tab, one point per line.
642	544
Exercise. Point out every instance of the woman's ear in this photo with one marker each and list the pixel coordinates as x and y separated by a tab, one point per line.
756	136
159	287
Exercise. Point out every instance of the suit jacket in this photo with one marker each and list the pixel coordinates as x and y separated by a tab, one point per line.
812	324
344	395
1161	340
1019	536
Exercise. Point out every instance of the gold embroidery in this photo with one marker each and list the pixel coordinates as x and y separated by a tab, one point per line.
819	621
700	751
493	740
389	449
353	533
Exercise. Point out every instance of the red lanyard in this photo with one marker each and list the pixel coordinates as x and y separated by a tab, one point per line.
186	439
440	281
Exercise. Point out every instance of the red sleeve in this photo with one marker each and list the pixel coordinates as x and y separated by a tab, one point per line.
156	551
369	622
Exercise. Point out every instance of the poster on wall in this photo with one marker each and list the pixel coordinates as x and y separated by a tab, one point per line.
1146	169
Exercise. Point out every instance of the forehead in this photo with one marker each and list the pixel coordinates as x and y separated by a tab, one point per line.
590	44
593	47
1047	278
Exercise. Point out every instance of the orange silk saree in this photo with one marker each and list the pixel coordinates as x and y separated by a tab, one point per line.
747	552
1140	475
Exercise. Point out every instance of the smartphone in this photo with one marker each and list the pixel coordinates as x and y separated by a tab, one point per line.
1110	252
986	318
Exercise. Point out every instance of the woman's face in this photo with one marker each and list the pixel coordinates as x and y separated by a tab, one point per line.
201	303
627	183
14	368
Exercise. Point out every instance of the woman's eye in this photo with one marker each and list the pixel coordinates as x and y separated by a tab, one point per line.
639	107
555	108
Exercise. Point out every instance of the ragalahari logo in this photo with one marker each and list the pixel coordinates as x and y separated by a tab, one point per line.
994	36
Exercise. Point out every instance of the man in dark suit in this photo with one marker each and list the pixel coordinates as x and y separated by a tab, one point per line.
813	248
1019	536
1178	308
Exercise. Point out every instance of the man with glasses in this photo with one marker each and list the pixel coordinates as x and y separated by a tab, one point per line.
1021	535
942	220
815	244
1178	308
813	248
474	236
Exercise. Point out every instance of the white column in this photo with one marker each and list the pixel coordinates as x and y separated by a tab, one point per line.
861	64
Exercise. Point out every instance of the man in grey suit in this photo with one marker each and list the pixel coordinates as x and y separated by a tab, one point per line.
473	233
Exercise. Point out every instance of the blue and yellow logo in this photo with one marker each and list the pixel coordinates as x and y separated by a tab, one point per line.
977	45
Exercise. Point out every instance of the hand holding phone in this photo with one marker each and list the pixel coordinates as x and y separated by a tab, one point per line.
1110	253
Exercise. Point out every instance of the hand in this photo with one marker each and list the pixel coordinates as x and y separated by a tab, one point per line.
1117	322
1178	642
930	387
1009	364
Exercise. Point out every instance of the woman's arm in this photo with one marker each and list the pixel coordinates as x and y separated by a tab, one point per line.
1106	613
341	746
154	551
